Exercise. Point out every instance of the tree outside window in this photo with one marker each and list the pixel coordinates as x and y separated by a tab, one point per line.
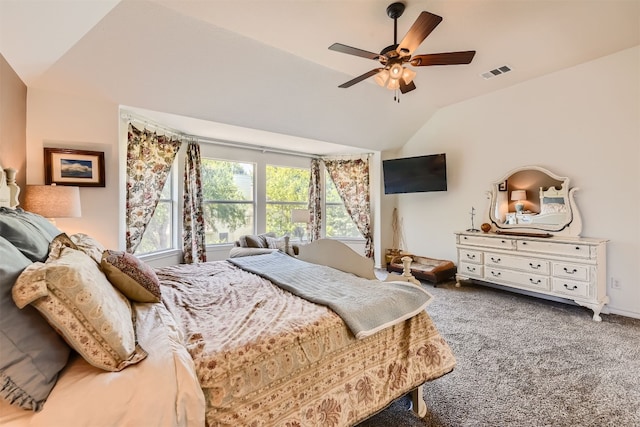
159	233
287	189
338	222
229	199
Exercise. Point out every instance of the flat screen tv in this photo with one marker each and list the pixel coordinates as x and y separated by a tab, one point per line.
415	174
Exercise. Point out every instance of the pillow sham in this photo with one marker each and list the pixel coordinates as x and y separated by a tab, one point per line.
135	279
89	246
76	298
32	352
24	234
548	208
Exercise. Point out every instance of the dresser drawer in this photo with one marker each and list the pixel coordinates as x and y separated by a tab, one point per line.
471	270
571	271
474	257
532	265
575	250
535	281
499	242
571	287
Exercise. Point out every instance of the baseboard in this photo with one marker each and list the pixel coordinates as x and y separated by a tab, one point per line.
619	312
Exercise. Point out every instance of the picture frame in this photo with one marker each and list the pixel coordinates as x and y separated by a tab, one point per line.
79	168
502	186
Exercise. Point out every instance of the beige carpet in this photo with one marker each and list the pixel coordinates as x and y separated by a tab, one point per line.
524	361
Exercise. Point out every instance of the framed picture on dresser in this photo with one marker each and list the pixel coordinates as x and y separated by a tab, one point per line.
80	168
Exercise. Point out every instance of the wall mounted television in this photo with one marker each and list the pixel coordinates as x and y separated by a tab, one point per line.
415	174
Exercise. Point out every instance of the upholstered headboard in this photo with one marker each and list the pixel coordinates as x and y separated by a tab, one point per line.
553	200
9	190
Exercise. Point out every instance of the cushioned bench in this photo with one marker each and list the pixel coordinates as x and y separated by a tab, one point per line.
423	268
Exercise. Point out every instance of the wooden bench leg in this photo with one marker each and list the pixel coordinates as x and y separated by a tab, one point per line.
418	404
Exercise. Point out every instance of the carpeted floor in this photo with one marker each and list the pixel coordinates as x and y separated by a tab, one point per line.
524	361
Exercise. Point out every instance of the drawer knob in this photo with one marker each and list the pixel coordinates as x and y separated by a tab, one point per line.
535	282
566	270
496	274
577	248
472	269
524	243
535	267
471	256
503	241
570	288
496	260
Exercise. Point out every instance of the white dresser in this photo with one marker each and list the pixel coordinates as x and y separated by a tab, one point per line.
572	268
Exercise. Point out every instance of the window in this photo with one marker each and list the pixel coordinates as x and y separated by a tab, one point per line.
229	199
287	189
338	222
159	233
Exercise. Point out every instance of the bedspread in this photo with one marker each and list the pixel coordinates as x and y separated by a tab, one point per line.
265	357
366	306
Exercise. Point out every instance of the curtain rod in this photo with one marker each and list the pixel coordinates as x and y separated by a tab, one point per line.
159	126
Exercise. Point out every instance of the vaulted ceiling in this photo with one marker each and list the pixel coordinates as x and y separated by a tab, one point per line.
265	65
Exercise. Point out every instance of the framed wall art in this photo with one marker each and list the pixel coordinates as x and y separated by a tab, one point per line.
79	168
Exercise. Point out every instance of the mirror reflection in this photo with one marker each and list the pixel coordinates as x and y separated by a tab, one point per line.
532	197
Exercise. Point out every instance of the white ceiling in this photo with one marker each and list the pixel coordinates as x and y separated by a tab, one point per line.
216	67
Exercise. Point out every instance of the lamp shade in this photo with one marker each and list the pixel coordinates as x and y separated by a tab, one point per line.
518	195
300	215
53	201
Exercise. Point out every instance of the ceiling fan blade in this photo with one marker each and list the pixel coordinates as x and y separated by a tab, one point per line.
448	58
339	47
404	88
419	31
361	78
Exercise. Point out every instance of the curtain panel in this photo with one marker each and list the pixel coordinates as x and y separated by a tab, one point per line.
149	160
315	200
351	178
193	237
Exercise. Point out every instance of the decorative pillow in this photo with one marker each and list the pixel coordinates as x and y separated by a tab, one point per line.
58	243
28	238
553	208
76	298
89	246
135	279
32	353
254	241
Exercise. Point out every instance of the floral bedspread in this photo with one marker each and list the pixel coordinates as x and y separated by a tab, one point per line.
265	357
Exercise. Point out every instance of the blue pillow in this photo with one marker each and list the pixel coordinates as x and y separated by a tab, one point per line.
27	233
32	351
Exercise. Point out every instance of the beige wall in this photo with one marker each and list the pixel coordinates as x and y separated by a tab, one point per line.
13	118
582	122
68	121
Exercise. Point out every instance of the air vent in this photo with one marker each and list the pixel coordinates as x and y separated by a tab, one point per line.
496	72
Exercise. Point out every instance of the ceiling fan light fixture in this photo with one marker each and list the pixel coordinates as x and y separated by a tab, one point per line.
408	75
382	77
395	72
394	84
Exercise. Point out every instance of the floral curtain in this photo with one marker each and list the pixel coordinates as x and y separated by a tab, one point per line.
351	178
149	160
193	237
315	200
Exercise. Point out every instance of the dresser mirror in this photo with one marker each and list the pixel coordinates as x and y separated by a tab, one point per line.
533	198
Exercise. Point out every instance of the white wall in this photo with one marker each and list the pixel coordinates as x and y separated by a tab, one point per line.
67	121
582	122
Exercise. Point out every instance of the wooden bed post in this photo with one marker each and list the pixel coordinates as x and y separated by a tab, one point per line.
418	405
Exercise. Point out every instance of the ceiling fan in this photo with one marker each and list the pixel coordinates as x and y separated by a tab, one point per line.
393	74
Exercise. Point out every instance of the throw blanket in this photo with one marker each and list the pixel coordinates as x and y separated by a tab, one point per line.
366	306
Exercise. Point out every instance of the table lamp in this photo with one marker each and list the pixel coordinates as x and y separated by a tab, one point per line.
519	196
53	201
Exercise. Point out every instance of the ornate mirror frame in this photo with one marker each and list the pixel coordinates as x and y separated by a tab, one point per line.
549	205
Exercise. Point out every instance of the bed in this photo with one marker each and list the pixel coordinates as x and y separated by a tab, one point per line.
221	344
553	206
